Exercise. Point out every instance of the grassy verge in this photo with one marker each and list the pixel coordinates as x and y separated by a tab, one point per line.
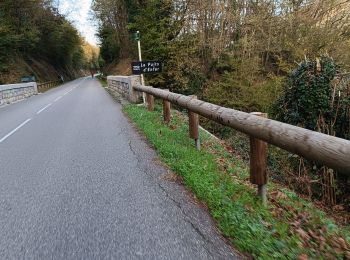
289	228
103	81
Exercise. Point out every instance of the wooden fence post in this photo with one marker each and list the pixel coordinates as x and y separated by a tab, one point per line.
194	126
258	158
166	110
150	102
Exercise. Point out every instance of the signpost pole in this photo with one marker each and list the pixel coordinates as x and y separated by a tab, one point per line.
140	59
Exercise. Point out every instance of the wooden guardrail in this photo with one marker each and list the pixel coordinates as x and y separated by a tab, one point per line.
323	149
47	85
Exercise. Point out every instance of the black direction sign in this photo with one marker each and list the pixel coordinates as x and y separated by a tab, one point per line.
146	67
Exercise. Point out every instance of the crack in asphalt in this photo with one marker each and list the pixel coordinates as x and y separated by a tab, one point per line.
143	162
178	204
186	217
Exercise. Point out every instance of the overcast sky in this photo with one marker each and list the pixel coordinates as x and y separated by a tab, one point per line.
78	11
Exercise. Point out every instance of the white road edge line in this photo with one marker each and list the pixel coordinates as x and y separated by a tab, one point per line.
57	99
14	130
44	108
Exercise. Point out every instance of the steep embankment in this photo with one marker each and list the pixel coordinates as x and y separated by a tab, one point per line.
122	67
41	69
290	227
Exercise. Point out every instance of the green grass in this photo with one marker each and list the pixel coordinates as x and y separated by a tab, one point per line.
103	81
222	182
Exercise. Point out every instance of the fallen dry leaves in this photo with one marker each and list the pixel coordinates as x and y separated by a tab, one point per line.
303	257
301	224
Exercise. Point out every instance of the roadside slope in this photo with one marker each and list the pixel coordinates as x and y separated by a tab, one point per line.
288	228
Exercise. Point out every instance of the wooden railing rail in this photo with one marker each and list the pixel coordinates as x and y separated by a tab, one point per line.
323	149
48	84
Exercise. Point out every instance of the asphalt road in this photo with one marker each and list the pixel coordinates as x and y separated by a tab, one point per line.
78	182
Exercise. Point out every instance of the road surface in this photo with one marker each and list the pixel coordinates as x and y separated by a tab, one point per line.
78	182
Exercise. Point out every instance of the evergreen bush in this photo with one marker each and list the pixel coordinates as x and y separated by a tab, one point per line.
314	99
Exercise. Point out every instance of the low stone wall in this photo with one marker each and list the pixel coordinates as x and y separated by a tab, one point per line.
123	85
15	92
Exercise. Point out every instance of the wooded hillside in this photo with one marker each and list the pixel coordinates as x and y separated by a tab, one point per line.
34	36
212	46
271	56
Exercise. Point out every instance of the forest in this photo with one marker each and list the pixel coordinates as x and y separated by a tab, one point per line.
289	58
34	31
